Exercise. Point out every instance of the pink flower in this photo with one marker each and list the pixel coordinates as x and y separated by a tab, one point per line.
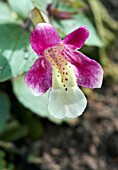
61	68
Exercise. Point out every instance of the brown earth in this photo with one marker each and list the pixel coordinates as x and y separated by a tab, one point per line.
90	144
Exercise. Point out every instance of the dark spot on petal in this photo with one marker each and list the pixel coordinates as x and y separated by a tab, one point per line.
66	89
66	79
66	73
64	85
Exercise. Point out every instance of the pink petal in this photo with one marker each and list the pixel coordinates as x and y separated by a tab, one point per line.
39	77
44	36
88	72
77	38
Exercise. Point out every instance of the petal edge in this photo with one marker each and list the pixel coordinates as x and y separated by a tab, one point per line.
89	72
77	38
39	78
44	36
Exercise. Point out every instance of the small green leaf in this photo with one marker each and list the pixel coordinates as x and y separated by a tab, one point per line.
16	55
4	164
21	7
32	123
38	105
29	120
4	110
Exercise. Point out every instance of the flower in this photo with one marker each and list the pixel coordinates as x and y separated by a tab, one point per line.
60	67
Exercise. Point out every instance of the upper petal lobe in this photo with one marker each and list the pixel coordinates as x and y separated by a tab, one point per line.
77	38
39	77
88	72
44	36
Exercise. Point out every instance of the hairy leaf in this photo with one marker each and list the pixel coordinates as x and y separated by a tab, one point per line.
21	7
16	55
5	14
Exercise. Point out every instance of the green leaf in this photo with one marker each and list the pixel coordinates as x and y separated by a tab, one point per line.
29	120
32	123
16	55
4	164
5	13
37	105
70	25
21	7
4	110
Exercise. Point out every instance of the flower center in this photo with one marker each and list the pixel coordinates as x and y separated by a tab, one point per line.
63	74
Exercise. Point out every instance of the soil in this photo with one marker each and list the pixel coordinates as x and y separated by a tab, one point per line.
89	144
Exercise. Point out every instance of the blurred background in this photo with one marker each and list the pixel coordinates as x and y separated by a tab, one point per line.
30	138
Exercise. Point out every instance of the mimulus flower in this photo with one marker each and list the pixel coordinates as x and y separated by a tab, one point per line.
60	67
